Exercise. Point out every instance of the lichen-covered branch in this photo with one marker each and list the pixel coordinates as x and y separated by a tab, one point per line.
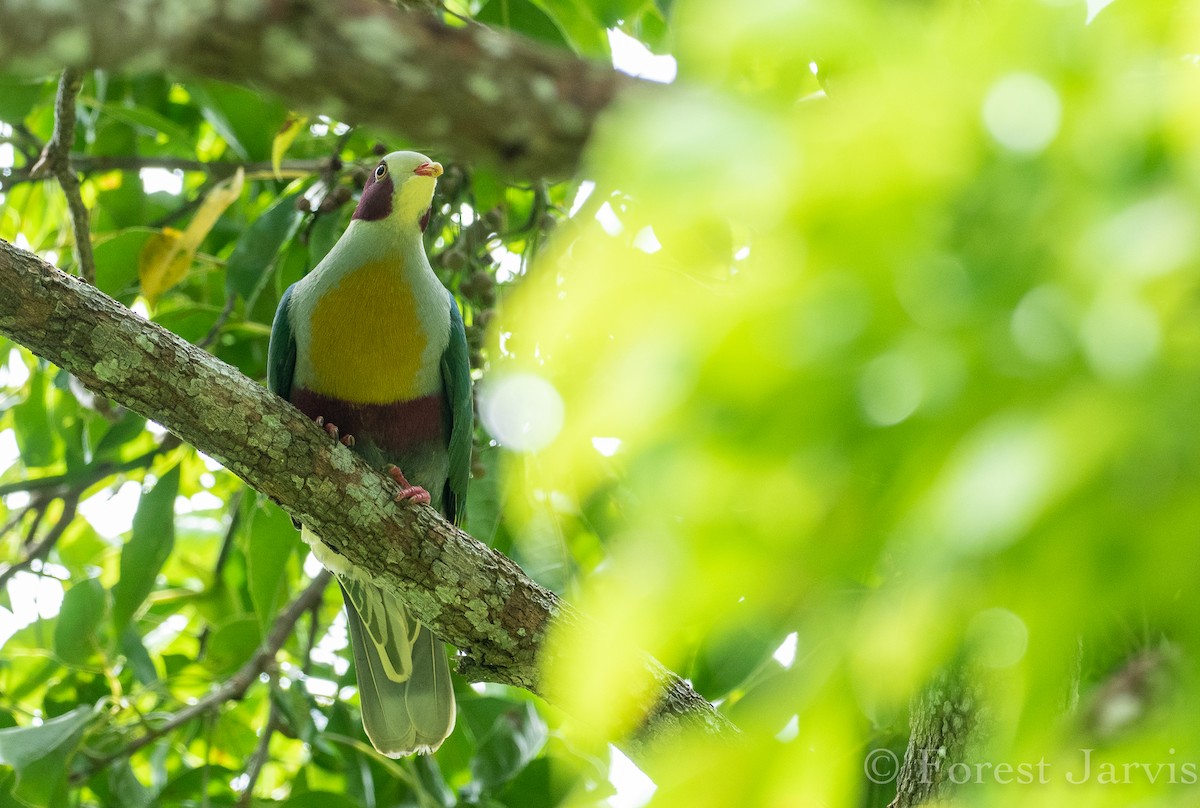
948	727
471	595
472	92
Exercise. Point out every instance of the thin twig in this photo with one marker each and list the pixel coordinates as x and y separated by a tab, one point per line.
16	519
235	518
42	547
221	320
234	688
56	160
262	753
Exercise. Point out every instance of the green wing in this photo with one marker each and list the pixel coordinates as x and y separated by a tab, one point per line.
456	379
281	353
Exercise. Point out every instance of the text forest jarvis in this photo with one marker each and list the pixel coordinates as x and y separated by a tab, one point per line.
372	343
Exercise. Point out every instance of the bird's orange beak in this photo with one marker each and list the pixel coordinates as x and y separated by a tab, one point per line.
428	170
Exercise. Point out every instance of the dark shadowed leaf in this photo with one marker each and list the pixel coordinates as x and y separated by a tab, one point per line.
246	119
258	246
515	738
127	791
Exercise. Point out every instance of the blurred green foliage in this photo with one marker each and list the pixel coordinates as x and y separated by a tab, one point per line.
873	347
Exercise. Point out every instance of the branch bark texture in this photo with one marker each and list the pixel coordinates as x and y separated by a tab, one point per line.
472	596
499	99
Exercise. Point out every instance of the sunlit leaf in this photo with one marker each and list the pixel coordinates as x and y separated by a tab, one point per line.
521	16
270	540
162	263
284	138
83	611
36	437
148	548
39	755
167	256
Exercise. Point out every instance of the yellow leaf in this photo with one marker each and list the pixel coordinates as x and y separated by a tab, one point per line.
217	201
162	263
167	256
284	138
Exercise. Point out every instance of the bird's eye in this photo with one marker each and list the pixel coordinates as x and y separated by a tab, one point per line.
380	171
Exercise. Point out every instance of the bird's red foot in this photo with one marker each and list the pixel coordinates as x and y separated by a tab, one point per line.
334	432
407	490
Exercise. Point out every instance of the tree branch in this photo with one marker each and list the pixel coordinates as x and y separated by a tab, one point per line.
217	169
56	160
62	484
490	97
471	595
44	545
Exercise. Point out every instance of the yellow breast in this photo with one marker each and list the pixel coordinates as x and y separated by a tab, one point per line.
368	343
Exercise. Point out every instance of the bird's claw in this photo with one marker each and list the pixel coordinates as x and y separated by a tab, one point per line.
407	490
334	432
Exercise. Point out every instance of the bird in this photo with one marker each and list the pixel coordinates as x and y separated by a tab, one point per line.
373	346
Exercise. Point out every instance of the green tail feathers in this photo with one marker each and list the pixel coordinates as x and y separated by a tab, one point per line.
404	687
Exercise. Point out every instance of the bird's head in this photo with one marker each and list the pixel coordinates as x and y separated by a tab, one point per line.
399	189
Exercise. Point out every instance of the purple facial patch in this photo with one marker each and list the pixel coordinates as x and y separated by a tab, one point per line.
376	200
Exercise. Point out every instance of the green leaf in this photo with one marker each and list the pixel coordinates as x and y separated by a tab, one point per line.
75	632
325	232
515	738
37	439
612	12
488	190
523	17
484	504
117	261
17	97
246	119
138	657
579	24
147	549
270	540
233	642
191	782
126	789
130	426
40	754
433	783
143	117
258	246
